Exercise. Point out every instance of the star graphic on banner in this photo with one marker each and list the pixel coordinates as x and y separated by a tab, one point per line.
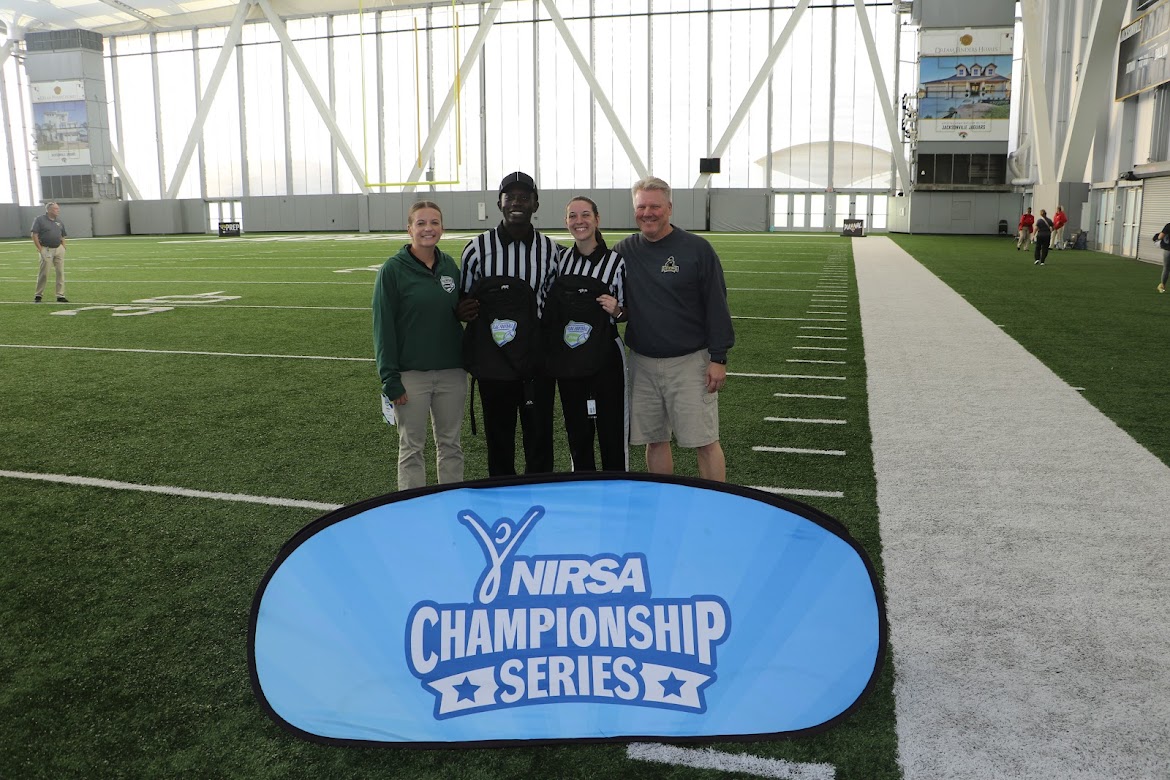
672	686
466	690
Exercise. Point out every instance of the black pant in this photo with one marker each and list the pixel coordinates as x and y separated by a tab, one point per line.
607	389
502	400
1042	243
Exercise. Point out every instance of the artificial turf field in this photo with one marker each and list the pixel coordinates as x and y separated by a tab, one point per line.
125	613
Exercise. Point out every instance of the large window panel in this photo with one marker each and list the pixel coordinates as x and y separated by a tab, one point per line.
796	122
221	131
511	112
177	102
310	143
352	60
731	75
623	70
451	153
679	96
566	139
405	99
264	119
140	140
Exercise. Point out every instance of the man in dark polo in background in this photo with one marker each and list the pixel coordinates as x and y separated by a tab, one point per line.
514	248
679	332
48	233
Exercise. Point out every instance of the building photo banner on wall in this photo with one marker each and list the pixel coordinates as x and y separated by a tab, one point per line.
965	84
61	123
566	608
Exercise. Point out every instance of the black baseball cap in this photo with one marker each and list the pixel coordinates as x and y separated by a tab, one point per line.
521	178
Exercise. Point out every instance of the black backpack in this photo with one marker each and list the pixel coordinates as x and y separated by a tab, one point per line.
577	331
503	341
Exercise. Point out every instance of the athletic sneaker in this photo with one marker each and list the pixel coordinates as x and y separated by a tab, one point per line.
37	299
62	299
1035	262
1161	287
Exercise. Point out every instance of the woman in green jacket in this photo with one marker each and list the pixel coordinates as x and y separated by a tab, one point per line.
418	346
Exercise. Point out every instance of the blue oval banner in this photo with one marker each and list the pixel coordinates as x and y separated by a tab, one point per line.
566	608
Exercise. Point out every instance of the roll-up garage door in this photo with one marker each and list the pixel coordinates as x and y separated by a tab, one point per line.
1155	215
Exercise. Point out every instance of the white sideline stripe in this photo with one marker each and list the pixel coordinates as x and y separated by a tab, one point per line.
822	362
808	420
198	305
798	451
193	281
815	311
709	758
823	349
187	352
790	319
832	338
170	491
807	395
788	376
800	491
814	327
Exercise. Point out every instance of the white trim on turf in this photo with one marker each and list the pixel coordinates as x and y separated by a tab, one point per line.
833	338
808	420
745	763
800	492
798	451
790	319
821	362
788	376
807	395
170	491
815	327
824	349
187	352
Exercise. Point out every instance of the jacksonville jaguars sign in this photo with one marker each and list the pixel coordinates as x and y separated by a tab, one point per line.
566	608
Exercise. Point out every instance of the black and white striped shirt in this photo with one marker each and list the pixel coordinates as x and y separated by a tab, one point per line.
604	264
496	253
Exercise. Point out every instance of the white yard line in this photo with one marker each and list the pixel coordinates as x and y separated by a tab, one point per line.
787	376
806	420
195	305
169	490
833	338
814	327
798	451
187	352
808	395
790	319
741	763
1024	539
800	492
369	283
821	362
824	349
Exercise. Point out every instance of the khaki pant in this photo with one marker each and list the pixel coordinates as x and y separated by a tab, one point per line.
56	256
1025	238
437	396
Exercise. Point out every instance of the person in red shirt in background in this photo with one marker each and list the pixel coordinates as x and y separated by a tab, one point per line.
1025	228
1059	220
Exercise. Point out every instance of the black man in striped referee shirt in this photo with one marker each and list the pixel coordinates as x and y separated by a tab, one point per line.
514	248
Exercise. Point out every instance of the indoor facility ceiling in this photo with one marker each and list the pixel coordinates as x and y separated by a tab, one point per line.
117	17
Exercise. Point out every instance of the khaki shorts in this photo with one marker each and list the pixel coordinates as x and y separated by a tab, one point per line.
669	395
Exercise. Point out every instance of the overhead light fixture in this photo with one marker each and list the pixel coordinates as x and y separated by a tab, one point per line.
118	4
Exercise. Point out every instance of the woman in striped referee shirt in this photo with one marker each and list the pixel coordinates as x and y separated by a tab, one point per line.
597	402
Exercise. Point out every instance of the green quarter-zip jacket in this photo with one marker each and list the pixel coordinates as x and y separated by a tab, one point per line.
415	327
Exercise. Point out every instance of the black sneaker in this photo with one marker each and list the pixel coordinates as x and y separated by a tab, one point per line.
62	299
37	299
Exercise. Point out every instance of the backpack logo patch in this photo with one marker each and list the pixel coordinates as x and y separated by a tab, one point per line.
503	331
577	333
